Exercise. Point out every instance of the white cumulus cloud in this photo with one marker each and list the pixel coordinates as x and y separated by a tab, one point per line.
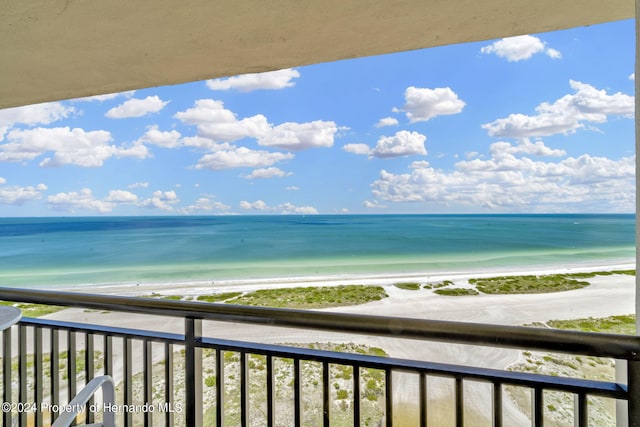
300	136
373	204
565	115
422	104
519	48
37	114
403	143
387	121
362	149
68	147
137	107
79	200
121	196
218	128
167	139
240	157
84	200
525	146
139	185
220	124
205	204
272	80
162	200
512	181
18	195
284	208
266	173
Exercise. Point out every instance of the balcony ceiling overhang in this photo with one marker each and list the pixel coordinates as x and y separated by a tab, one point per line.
60	49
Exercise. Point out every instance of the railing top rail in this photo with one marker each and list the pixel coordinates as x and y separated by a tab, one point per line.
593	344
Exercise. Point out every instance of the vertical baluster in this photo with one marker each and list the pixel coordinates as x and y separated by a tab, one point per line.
6	375
326	395
71	365
297	400
22	372
38	375
580	414
89	370
107	359
55	371
108	355
219	388
128	375
147	353
388	390
244	390
270	391
356	395
423	399
497	404
537	407
193	371
459	402
168	383
633	386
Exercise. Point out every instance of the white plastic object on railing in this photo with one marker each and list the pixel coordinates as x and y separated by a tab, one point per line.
108	396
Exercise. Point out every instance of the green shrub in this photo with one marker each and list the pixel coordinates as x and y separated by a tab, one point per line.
312	296
33	310
409	286
456	292
210	381
527	284
622	324
218	297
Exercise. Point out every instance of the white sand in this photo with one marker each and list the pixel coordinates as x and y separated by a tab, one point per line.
607	295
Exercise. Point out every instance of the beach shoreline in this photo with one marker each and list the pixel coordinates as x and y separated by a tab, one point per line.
198	287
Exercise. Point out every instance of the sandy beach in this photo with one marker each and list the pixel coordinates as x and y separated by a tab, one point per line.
605	296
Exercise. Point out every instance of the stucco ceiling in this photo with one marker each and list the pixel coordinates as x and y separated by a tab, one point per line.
59	49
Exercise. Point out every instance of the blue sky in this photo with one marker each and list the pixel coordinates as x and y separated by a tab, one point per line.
539	123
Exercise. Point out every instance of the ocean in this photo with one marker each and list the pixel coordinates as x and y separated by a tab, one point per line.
58	252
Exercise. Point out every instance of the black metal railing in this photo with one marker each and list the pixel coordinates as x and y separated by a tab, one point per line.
180	379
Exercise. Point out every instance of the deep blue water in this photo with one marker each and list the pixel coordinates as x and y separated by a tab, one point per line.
100	250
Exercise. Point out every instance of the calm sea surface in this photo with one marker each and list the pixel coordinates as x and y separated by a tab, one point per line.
103	250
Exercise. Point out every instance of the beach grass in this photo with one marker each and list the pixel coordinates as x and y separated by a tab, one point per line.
33	310
600	273
528	284
623	324
160	296
312	297
454	292
438	285
221	297
409	286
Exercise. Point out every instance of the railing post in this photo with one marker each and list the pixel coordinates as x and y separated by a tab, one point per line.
6	375
633	387
193	372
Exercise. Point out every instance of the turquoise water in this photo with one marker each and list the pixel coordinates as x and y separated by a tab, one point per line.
104	250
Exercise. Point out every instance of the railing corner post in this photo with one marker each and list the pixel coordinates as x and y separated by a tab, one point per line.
193	372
